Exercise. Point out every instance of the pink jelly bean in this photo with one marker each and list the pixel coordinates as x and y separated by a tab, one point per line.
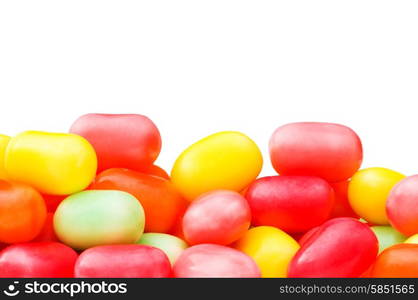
402	206
330	151
208	260
123	261
218	217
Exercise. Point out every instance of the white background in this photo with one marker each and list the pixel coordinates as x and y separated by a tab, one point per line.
197	67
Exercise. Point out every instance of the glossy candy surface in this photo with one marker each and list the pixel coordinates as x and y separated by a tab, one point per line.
42	259
224	160
341	206
341	247
402	206
60	163
123	261
271	248
291	203
92	218
305	237
155	171
397	261
368	192
47	233
171	245
4	141
387	236
209	260
22	212
330	151
162	203
120	140
97	189
217	217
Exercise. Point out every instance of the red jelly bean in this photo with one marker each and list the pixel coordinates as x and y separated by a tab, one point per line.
218	217
52	201
330	151
177	229
305	237
123	261
47	233
402	206
291	203
162	204
397	261
341	247
341	207
120	140
208	260
40	259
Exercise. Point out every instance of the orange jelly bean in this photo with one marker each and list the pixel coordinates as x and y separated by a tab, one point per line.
22	212
397	261
162	204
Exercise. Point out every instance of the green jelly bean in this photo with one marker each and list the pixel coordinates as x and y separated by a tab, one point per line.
387	236
171	245
91	218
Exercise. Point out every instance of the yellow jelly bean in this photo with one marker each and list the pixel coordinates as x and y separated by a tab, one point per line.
271	248
368	191
413	239
53	163
4	141
224	160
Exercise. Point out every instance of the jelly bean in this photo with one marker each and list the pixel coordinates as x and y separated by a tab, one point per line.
52	201
217	217
93	218
123	261
41	259
387	236
47	233
413	239
162	203
291	203
60	163
171	245
341	247
271	249
155	171
306	236
367	273
208	260
368	191
177	229
22	212
402	206
330	151
224	160
341	207
397	261
120	140
4	141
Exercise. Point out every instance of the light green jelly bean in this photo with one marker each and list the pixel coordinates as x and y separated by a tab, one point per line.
387	236
91	218
171	245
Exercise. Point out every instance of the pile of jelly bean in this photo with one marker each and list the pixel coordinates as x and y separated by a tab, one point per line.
91	203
